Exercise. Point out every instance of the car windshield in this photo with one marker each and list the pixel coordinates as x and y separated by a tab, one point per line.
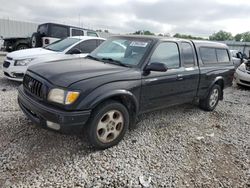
122	51
61	45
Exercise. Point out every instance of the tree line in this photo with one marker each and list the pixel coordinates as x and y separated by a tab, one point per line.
218	36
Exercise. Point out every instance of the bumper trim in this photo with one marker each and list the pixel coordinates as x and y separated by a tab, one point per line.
39	113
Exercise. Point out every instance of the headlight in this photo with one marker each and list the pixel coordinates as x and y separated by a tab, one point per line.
63	97
242	68
23	62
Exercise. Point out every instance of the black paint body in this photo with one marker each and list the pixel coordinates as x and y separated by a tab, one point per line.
100	81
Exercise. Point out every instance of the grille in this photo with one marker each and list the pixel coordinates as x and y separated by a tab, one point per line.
245	82
6	64
33	85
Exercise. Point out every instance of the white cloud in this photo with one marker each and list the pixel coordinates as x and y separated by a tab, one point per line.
195	17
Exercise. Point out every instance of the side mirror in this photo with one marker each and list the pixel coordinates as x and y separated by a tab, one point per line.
75	51
155	66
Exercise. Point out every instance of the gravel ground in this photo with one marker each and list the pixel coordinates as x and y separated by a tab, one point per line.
178	147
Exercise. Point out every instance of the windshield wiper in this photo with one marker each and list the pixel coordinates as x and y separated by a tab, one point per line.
116	62
92	57
51	49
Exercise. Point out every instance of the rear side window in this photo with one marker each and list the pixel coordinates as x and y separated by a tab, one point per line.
87	46
167	53
93	34
222	55
76	32
58	31
187	54
208	55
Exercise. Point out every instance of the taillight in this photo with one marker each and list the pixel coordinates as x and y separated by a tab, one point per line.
46	41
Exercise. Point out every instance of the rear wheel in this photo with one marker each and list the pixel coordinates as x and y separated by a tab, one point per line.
108	124
212	99
21	47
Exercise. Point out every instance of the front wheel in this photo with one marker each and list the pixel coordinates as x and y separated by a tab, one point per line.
108	124
212	99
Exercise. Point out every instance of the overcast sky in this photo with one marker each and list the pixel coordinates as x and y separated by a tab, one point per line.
196	17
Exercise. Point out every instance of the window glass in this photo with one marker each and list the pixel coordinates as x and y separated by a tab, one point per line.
222	55
58	31
167	53
87	46
187	54
76	32
93	34
128	51
43	29
62	45
208	55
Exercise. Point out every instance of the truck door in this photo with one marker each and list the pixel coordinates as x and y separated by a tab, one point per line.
160	89
191	73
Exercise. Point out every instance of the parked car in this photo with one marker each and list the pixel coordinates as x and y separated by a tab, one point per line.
242	74
237	58
15	43
16	63
46	34
105	92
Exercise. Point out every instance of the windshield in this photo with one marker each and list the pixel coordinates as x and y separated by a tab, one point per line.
61	45
127	51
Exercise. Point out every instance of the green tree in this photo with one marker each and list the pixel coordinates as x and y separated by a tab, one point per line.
246	36
143	32
238	37
221	36
183	36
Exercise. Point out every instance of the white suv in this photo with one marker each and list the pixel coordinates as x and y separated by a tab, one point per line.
17	62
48	33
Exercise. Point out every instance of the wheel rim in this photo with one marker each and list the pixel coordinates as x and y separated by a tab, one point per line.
110	126
214	97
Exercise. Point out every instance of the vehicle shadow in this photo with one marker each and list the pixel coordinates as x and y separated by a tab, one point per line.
8	84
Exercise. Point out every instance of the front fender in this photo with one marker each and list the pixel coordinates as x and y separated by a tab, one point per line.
128	89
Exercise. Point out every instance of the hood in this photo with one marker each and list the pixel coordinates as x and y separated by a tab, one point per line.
29	53
66	72
54	57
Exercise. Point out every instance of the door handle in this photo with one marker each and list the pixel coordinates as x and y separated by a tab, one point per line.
179	77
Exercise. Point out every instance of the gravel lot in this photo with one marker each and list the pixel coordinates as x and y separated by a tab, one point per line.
178	147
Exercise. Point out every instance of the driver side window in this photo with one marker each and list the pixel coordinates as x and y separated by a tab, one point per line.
168	54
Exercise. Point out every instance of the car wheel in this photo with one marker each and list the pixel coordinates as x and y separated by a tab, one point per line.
212	99
107	125
21	47
36	40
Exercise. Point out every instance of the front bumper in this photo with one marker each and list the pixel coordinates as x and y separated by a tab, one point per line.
40	114
15	73
242	78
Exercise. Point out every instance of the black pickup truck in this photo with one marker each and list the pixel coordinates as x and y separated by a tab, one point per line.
122	78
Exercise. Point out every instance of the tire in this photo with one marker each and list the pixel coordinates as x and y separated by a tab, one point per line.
107	125
36	40
21	47
212	99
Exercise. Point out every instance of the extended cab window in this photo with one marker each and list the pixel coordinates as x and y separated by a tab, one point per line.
208	55
187	54
76	32
167	53
222	55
